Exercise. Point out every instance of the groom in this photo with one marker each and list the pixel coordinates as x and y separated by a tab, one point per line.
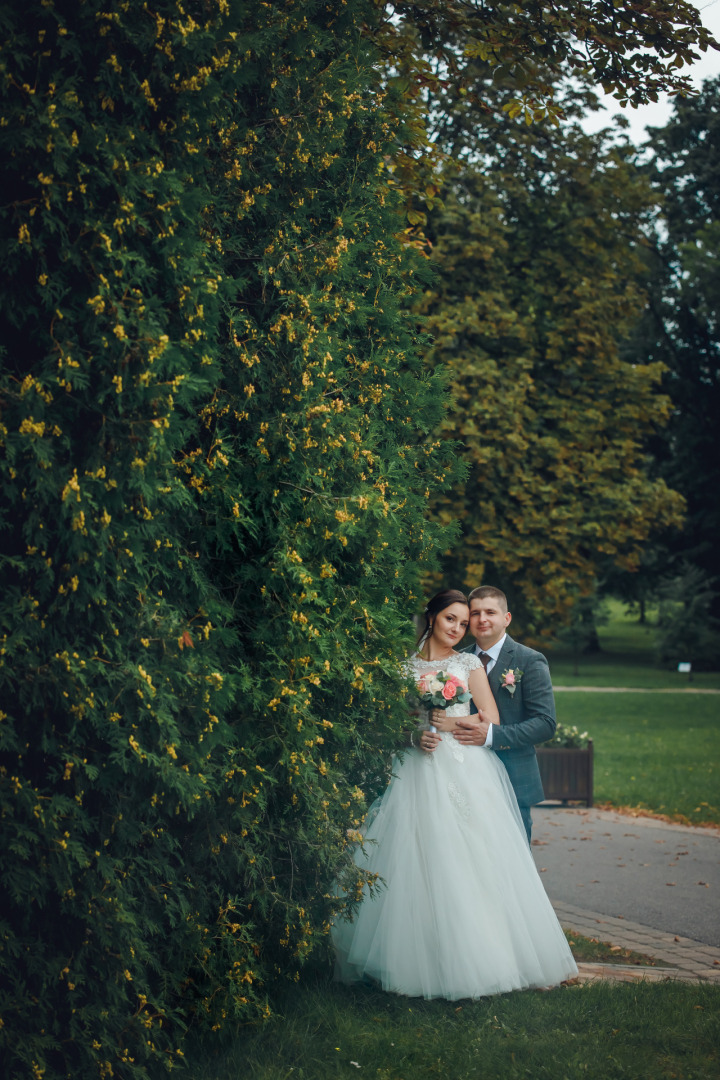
519	678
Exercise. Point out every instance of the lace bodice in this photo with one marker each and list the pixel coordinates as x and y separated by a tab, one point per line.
460	664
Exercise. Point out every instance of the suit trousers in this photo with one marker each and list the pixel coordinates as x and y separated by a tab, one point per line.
526	820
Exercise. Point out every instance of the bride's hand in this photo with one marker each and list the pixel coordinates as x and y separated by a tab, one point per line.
437	716
428	741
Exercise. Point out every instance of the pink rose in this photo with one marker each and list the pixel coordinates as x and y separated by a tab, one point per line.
510	678
449	690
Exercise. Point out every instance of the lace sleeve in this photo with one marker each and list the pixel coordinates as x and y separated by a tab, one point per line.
471	661
460	663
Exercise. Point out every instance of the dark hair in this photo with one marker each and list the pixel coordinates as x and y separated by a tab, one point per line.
438	603
483	591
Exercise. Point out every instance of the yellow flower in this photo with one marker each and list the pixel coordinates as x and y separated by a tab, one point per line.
29	427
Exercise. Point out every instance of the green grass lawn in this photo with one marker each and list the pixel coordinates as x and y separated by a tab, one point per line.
660	752
627	659
656	751
594	1032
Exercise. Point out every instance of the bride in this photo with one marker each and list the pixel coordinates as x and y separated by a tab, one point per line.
462	912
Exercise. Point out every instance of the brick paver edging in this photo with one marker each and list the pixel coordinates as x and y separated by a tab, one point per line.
683	958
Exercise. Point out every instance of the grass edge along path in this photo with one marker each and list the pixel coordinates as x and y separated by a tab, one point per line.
593	951
643	812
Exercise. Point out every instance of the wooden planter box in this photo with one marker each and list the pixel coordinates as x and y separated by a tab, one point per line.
567	774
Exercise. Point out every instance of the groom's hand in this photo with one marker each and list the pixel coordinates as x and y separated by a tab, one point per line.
471	730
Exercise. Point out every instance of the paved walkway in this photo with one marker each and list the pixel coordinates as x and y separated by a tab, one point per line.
636	883
677	957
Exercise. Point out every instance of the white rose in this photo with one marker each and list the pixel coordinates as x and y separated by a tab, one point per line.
435	685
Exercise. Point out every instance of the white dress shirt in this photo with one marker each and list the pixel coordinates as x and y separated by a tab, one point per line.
493	652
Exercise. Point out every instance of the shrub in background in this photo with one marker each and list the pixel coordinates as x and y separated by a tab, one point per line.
686	602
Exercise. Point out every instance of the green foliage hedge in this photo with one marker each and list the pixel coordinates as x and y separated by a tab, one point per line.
212	411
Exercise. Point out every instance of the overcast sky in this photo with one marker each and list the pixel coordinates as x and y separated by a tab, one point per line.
658	113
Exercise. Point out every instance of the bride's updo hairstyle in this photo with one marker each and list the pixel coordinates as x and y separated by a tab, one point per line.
439	602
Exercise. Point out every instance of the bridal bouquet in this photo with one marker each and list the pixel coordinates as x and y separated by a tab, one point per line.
440	690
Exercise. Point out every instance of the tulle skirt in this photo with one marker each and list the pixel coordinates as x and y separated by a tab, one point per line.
462	912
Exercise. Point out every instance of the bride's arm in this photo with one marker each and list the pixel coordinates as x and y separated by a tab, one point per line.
482	696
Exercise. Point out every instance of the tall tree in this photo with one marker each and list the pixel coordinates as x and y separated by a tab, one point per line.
432	48
537	263
680	326
635	51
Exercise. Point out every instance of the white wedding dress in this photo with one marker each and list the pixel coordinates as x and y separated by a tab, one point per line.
462	912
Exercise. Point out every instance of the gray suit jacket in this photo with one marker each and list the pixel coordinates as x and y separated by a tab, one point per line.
527	717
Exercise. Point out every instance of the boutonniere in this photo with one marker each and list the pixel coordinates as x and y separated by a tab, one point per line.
510	679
